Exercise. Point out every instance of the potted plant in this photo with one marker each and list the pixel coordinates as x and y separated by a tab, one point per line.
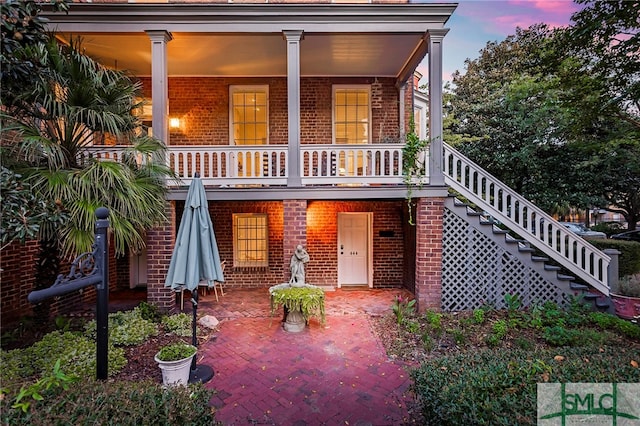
626	300
300	303
175	362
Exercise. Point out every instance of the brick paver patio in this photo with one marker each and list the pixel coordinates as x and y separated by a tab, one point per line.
338	374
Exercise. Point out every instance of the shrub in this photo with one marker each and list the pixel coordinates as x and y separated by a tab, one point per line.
123	403
629	285
149	312
478	316
76	353
179	324
499	387
629	260
126	328
434	319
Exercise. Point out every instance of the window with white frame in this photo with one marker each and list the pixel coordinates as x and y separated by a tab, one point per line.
352	114
249	115
250	240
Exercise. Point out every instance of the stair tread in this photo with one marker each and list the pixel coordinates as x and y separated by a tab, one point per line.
539	258
552	267
564	277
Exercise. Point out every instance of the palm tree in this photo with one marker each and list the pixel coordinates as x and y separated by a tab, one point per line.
76	103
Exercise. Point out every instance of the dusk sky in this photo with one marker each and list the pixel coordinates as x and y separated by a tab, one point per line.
476	22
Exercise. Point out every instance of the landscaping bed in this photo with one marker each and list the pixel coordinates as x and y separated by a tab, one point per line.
482	366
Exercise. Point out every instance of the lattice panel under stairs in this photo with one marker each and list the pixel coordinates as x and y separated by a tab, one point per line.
476	271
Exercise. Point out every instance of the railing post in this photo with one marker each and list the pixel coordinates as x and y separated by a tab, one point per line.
102	304
612	270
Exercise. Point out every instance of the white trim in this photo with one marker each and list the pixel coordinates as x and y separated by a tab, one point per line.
240	88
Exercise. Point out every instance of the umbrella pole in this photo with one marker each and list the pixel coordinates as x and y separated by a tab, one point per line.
198	373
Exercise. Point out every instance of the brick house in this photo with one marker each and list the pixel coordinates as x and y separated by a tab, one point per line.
294	115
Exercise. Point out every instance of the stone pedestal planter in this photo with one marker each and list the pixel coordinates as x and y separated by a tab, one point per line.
295	322
299	302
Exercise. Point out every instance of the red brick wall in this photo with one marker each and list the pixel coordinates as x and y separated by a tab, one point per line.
295	231
322	237
17	277
160	243
428	291
202	105
17	263
222	218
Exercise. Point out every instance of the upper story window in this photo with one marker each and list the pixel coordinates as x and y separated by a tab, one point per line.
352	114
249	115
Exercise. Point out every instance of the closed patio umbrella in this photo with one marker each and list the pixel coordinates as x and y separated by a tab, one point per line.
195	258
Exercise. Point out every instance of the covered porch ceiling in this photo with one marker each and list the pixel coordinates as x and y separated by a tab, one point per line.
245	40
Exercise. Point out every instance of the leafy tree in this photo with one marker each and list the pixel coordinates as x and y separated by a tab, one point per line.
49	122
506	114
21	212
529	112
77	104
606	34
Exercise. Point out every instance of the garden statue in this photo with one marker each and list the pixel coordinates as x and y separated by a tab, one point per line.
299	299
299	258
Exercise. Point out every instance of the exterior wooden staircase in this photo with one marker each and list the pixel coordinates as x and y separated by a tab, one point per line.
573	264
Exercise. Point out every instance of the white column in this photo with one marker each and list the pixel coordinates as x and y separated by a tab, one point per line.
403	125
293	38
434	39
160	84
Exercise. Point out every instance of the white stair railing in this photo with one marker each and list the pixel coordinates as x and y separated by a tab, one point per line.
568	249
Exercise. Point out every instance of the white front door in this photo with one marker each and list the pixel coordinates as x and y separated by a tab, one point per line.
354	249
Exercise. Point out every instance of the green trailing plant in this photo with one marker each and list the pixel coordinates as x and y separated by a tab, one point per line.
36	391
179	324
308	300
76	353
402	308
176	351
126	328
413	164
561	336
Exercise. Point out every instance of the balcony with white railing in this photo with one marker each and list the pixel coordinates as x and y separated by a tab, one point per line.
268	165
